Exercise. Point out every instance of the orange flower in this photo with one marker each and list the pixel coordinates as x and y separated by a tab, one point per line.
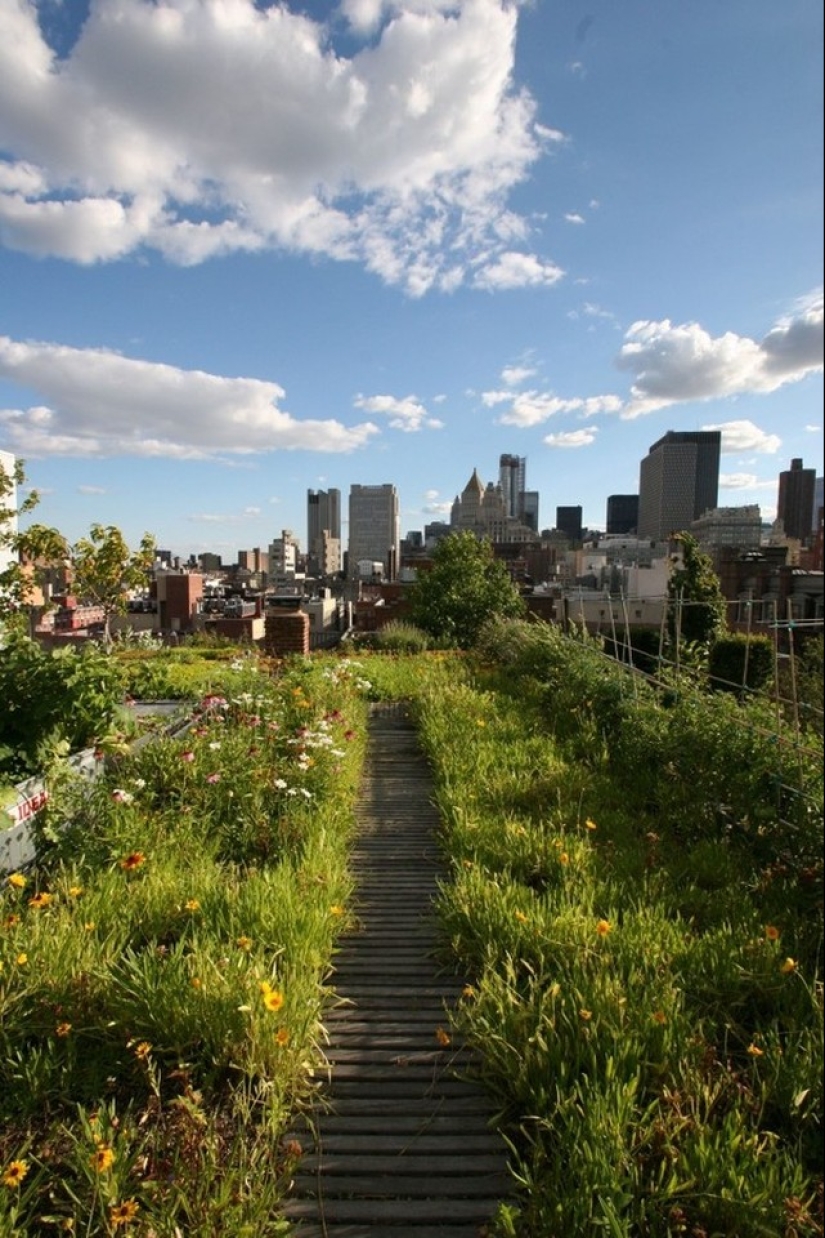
755	1051
603	928
102	1159
40	901
142	1050
772	932
659	1017
192	904
14	1173
63	1029
282	1037
196	982
586	1015
11	921
564	858
442	1037
468	991
132	861
123	1214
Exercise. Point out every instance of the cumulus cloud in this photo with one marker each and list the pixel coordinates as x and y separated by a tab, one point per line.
743	481
515	375
673	364
531	408
740	436
100	403
572	438
198	129
573	217
406	414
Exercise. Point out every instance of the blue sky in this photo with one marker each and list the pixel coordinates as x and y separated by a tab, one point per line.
249	250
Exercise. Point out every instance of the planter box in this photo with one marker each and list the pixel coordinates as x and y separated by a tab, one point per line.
17	843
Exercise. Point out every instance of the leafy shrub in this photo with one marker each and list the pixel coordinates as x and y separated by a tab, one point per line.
400	637
737	660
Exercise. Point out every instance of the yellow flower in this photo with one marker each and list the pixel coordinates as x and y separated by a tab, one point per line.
586	1015
273	1000
89	926
14	1173
520	916
564	858
755	1051
590	825
788	966
336	910
282	1037
468	991
11	921
196	982
39	901
480	722
18	881
772	932
244	943
102	1159
142	1050
123	1214
442	1037
75	891
22	959
603	928
63	1029
192	904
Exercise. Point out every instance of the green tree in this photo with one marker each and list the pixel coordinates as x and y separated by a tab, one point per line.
465	587
696	607
23	553
105	569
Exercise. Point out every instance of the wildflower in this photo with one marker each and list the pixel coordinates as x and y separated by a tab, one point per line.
215	745
590	825
75	891
520	916
11	921
89	926
123	1214
142	1050
187	757
336	910
586	1015
62	1030
40	901
480	722
102	1159
755	1051
140	783
659	1017
273	1000
788	966
468	991
603	928
279	784
18	881
244	943
442	1037
14	1173
132	861
282	1037
22	959
564	858
196	982
213	778
192	904
771	932
122	797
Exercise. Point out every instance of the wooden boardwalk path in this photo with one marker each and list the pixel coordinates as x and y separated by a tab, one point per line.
400	1146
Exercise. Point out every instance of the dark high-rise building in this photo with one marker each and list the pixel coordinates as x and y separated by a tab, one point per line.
374	535
324	531
569	522
530	509
678	482
796	500
622	513
511	476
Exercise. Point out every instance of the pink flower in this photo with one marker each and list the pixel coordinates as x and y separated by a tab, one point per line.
187	756
213	777
349	734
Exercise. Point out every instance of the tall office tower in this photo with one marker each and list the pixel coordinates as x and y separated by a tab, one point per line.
530	509
374	529
819	500
678	482
622	513
324	531
796	500
569	522
511	477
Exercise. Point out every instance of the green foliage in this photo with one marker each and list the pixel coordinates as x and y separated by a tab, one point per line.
400	637
465	587
697	604
104	569
53	701
738	660
29	550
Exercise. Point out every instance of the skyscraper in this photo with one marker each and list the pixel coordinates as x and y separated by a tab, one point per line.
511	476
796	500
622	513
324	532
374	528
678	482
569	522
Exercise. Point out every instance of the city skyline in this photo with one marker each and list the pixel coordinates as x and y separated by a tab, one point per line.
247	252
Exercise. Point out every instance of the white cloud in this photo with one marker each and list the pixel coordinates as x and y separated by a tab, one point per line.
202	128
103	404
744	481
673	364
515	375
572	438
739	436
515	270
531	408
91	490
573	217
406	414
